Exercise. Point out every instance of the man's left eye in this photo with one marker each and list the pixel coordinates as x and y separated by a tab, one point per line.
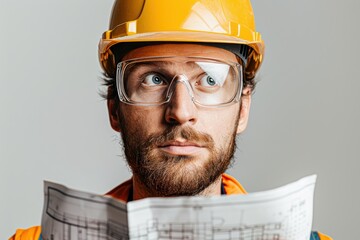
208	81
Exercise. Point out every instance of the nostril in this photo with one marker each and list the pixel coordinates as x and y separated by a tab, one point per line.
176	119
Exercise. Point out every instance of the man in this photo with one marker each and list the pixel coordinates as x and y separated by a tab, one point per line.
180	75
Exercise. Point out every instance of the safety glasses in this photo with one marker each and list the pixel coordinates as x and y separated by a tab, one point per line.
152	81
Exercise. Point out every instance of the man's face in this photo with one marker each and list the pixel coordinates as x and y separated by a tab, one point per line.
178	148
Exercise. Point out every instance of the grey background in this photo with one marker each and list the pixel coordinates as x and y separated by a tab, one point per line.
304	118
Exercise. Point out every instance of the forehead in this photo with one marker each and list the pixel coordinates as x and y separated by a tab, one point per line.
183	50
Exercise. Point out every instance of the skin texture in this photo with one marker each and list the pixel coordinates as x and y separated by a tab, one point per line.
179	148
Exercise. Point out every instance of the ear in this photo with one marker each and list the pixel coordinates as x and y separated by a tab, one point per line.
113	109
244	110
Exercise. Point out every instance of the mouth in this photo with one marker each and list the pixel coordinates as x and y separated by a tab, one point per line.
181	147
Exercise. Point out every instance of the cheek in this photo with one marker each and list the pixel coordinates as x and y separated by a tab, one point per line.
143	119
221	124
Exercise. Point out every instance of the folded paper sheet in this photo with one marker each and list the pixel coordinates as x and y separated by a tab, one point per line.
278	214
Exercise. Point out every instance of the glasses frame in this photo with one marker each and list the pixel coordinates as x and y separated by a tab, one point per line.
121	66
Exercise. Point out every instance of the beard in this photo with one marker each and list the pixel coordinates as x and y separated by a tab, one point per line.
171	175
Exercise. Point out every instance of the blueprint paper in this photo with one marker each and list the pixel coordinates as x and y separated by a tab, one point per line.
71	214
283	213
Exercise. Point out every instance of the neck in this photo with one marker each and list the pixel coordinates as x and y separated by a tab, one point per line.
140	191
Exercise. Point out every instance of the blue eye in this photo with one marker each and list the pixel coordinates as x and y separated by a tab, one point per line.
208	81
153	79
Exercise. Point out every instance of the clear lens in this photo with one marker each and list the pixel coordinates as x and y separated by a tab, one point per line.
151	81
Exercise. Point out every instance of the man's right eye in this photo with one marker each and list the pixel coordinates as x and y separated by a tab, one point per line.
153	80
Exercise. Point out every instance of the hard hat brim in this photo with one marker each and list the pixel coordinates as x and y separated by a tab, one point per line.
196	37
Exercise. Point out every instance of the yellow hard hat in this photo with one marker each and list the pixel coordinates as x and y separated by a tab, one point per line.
196	21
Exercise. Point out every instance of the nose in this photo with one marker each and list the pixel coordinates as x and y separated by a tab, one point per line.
181	109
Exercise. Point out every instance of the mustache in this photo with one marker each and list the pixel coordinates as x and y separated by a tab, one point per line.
187	133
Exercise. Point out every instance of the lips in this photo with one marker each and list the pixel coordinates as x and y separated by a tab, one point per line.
179	147
180	143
